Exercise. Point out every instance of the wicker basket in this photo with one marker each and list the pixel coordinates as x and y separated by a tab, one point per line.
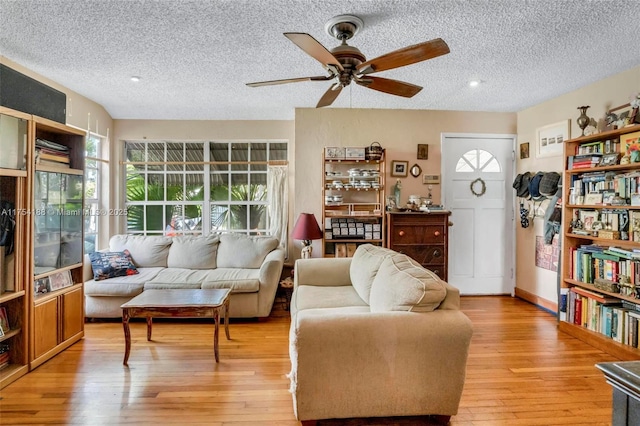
374	151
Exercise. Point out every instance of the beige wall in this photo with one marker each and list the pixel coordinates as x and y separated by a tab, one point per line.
399	132
536	284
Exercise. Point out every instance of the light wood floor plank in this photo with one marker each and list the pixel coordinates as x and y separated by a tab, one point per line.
521	371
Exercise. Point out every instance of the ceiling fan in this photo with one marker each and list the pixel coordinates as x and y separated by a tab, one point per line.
346	63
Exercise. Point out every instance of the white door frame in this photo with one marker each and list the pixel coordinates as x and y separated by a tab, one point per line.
510	176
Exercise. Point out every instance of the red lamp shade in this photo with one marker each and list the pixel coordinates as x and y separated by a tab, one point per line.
306	228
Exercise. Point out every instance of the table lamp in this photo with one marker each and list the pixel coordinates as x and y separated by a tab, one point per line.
306	229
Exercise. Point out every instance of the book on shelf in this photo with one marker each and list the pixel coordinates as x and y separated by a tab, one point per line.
4	355
4	320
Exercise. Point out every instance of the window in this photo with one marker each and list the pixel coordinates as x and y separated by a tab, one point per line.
477	160
199	187
92	192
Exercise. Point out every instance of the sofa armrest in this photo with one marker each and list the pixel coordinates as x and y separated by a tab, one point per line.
377	364
87	271
451	299
270	272
322	272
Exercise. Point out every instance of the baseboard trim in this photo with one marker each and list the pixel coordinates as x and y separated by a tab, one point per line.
536	300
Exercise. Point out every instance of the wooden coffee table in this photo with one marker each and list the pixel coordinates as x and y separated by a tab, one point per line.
176	303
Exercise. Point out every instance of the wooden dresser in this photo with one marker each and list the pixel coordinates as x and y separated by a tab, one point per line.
422	236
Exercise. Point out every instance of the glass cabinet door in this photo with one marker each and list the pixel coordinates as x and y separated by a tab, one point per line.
47	222
71	226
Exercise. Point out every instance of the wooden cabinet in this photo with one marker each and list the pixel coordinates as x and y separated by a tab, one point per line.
57	304
14	246
41	192
353	205
600	266
58	322
422	236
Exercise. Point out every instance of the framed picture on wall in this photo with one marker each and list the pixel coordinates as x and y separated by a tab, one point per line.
550	139
399	168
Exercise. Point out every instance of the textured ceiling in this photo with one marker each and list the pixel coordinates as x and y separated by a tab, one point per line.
195	57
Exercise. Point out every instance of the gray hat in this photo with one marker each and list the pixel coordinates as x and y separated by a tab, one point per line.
549	184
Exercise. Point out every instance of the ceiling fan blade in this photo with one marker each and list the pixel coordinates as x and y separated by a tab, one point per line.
314	49
330	95
289	80
386	85
406	56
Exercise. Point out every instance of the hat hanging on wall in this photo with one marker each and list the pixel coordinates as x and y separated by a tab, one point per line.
549	184
521	184
534	187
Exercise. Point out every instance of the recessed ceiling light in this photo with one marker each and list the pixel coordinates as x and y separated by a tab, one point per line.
474	83
135	78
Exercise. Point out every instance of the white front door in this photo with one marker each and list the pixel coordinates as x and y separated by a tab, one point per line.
477	177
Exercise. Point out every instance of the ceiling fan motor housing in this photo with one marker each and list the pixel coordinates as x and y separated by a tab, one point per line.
343	27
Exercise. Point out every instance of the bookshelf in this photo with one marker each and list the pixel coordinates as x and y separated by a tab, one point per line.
14	172
599	288
56	317
353	203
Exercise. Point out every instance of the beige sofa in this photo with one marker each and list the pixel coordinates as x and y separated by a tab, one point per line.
375	335
249	266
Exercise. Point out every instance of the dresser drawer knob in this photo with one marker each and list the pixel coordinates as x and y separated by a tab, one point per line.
437	253
437	233
401	233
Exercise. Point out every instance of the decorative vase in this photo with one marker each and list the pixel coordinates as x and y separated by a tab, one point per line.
583	120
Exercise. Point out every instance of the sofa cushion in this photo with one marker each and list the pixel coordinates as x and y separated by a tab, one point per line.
364	267
193	252
403	285
237	279
178	278
321	297
111	264
243	251
146	251
130	286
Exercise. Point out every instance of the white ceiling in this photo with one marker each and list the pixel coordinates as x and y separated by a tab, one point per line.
195	57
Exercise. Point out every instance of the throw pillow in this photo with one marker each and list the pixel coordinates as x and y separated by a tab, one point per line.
243	251
111	264
403	285
146	251
364	267
193	252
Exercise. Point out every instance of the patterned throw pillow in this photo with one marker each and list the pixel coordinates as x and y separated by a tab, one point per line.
112	264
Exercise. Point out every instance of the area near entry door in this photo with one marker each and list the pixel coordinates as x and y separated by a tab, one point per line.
477	174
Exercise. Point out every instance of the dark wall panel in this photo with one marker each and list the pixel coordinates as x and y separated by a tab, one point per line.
23	93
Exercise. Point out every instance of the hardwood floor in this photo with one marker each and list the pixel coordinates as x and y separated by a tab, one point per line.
521	371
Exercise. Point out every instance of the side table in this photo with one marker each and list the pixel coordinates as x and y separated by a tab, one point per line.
287	288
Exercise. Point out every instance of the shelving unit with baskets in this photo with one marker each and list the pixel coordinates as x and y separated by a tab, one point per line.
599	290
353	204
